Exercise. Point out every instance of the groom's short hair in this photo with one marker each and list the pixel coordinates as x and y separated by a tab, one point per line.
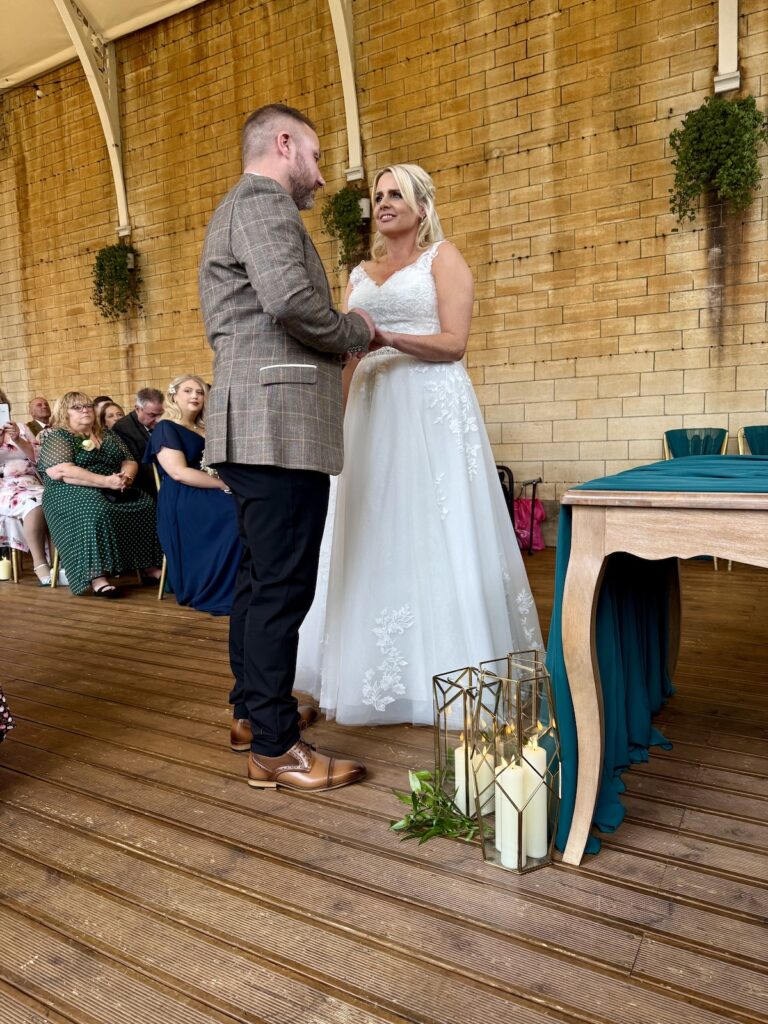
261	126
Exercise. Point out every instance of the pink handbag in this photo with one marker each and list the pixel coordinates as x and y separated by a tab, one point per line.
528	532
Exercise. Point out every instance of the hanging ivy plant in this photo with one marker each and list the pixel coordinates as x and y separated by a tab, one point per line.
716	149
116	281
343	220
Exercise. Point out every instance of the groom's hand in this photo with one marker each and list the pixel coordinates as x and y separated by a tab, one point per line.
368	321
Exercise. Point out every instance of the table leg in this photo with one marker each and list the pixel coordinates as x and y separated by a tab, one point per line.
582	586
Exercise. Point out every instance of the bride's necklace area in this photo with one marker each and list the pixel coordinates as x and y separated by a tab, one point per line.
385	271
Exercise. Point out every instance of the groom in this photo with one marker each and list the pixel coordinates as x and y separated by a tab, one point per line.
274	429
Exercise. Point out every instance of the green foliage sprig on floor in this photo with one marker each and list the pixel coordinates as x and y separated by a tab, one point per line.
116	281
431	812
716	149
343	220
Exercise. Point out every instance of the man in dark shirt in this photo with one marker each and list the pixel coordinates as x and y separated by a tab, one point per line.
135	429
40	411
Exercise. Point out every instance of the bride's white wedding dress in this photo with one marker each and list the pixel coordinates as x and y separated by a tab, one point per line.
420	571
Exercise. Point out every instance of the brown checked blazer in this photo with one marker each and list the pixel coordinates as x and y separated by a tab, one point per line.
277	339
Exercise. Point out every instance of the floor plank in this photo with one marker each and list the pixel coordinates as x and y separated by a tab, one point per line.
142	881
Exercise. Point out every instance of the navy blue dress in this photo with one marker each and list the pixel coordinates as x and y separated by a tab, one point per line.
197	527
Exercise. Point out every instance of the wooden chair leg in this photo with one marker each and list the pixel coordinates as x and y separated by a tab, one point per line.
55	569
163	576
15	565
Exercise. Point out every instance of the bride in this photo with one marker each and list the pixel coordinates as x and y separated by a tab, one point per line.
420	571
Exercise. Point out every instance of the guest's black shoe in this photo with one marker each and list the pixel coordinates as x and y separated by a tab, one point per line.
240	734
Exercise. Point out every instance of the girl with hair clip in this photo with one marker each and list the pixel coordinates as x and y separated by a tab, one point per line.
196	514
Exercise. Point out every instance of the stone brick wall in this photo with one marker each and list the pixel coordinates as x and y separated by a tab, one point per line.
599	322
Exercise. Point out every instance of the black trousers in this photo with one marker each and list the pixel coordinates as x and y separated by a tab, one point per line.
281	514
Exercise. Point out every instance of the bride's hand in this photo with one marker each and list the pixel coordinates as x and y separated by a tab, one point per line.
381	339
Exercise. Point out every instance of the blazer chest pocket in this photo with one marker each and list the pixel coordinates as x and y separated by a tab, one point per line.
288	373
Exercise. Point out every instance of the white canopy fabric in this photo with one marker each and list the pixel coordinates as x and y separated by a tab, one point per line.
33	38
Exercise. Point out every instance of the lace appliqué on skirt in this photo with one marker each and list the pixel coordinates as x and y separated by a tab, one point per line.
448	394
382	686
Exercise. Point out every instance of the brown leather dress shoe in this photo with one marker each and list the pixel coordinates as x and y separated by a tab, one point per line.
304	769
240	735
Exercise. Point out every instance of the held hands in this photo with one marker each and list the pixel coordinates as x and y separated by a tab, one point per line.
118	481
381	339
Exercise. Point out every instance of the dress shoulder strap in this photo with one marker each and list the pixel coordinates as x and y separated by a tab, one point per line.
429	254
357	275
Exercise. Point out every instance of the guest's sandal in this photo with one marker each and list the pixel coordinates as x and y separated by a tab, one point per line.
107	590
43	581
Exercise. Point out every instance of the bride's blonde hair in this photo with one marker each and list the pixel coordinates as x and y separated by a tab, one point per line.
418	192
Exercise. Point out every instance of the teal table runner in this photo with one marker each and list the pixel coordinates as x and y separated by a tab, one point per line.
631	633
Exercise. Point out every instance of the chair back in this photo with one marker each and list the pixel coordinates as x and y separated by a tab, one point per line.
507	481
753	441
164	570
695	441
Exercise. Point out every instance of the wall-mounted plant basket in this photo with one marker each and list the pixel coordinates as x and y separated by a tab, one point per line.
342	215
716	150
116	281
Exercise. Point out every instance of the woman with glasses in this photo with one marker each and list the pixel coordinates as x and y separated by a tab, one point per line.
101	525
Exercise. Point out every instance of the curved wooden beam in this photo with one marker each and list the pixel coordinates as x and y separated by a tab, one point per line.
341	16
98	60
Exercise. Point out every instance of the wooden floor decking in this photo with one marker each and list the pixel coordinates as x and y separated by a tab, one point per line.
142	882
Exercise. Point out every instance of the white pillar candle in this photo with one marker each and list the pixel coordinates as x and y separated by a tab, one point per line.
483	779
464	792
535	816
497	804
512	781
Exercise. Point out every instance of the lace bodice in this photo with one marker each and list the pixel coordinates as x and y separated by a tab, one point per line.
406	302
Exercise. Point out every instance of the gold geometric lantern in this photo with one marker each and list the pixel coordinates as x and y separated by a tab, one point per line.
454	696
516	761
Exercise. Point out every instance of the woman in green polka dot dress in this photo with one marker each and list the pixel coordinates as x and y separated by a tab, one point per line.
96	537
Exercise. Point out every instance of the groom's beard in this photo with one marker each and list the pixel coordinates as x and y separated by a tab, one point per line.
302	187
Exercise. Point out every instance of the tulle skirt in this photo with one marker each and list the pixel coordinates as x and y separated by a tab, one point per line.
420	571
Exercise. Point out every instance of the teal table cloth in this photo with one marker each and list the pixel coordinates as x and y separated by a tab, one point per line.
631	633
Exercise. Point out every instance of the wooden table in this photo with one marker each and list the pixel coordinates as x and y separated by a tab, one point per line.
653	525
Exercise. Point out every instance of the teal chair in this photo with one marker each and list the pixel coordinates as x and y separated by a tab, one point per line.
753	441
696	441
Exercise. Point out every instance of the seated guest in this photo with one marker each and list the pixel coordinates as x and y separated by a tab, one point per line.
40	412
196	515
110	413
135	429
6	719
100	523
98	404
22	523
